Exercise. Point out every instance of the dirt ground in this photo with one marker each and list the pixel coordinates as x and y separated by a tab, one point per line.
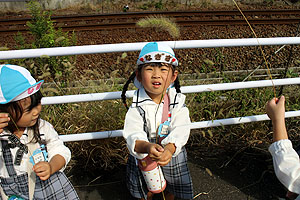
239	174
227	175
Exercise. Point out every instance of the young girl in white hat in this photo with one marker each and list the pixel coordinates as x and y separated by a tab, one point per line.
157	125
32	157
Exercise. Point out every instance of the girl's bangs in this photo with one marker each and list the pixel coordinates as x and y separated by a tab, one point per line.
35	99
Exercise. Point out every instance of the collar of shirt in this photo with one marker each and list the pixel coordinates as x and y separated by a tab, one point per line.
24	138
141	98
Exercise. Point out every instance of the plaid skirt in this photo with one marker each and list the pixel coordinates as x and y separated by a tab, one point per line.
176	173
56	187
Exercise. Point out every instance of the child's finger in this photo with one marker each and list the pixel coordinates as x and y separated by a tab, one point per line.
156	149
41	173
159	148
3	115
156	154
41	166
4	124
273	102
163	163
37	169
281	100
43	176
4	118
154	158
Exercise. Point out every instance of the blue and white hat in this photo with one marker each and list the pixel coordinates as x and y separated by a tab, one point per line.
157	52
16	83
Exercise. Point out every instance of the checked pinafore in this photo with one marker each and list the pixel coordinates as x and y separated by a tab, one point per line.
176	173
56	187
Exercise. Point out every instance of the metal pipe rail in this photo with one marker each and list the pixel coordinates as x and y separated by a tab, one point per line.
185	89
125	47
194	125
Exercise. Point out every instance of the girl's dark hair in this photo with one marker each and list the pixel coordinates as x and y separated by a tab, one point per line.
177	85
125	88
15	111
131	79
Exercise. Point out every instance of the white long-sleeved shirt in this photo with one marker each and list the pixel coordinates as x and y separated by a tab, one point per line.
134	123
286	164
53	142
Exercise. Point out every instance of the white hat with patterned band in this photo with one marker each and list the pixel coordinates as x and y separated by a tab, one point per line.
157	52
16	83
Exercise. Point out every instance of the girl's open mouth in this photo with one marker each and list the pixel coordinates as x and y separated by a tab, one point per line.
156	84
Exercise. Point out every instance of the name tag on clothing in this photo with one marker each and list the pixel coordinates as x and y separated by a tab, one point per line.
39	155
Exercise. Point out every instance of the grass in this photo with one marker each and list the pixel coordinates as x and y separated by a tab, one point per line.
238	103
160	23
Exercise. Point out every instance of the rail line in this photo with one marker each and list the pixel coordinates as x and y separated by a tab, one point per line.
183	18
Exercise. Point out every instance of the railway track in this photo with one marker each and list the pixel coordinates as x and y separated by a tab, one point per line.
183	18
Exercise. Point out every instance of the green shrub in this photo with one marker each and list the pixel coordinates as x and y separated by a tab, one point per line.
45	35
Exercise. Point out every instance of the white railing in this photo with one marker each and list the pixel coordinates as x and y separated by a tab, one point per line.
125	47
185	89
109	48
194	125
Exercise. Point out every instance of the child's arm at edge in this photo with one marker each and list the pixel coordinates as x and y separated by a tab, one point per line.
285	159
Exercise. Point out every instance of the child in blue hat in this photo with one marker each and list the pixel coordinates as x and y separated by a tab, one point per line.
32	157
157	123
